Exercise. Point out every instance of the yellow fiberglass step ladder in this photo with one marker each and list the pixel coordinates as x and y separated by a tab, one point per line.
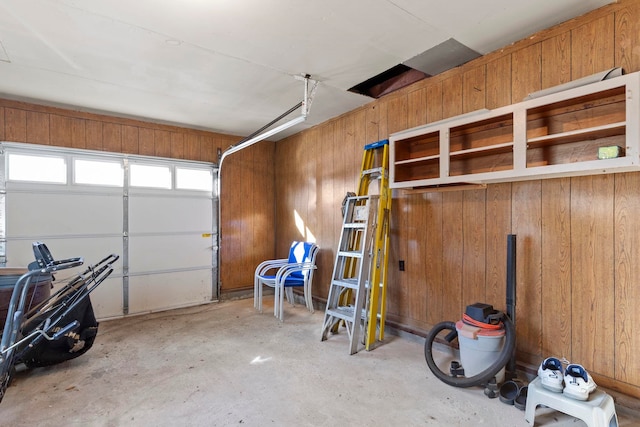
362	255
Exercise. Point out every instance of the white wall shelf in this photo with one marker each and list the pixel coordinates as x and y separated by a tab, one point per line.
551	136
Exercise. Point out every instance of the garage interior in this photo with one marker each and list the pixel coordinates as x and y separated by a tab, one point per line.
195	80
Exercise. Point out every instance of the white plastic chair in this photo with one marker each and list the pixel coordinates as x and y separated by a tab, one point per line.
296	270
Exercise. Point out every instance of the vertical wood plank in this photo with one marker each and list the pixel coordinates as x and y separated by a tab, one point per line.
627	277
372	124
15	125
452	96
592	47
474	89
231	221
383	120
329	169
60	130
244	214
627	38
592	251
177	146
78	133
192	146
556	60
452	253
145	142
397	116
130	139
285	191
360	139
396	291
433	250
208	152
498	225
282	185
473	245
112	137
348	150
499	82
434	102
526	69
94	134
417	108
311	152
526	221
38	128
162	142
556	268
415	275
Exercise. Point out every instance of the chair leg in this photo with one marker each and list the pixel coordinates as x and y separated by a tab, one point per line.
308	298
276	296
290	297
281	306
255	293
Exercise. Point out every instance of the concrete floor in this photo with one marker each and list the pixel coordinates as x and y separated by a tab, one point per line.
225	364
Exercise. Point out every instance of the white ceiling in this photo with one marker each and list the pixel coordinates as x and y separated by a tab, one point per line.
229	65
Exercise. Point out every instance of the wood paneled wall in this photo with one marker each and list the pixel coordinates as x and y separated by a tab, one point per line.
578	246
248	206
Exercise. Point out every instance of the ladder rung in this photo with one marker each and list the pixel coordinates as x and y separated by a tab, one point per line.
350	254
378	170
345	312
355	225
357	198
351	283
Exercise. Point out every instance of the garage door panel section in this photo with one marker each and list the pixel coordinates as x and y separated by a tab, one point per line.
149	213
63	214
170	290
169	252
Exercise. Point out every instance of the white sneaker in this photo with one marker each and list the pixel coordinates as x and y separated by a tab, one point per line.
578	382
550	373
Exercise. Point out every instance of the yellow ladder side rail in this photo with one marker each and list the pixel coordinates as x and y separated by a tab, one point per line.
378	274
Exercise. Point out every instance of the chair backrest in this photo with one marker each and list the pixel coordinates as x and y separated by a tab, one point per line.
302	252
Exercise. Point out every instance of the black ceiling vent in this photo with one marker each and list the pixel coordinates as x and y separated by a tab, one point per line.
388	81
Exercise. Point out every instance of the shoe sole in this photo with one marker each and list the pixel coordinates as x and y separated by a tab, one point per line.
553	386
575	395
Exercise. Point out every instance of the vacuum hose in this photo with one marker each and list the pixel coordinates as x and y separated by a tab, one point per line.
484	376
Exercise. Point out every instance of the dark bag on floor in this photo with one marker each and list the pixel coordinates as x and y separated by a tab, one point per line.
71	345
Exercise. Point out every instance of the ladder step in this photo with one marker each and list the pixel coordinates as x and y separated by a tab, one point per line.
350	254
356	225
351	283
373	171
345	313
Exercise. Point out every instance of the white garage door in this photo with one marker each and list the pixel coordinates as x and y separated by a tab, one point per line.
159	215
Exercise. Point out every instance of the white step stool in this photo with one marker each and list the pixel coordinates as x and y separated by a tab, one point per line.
598	411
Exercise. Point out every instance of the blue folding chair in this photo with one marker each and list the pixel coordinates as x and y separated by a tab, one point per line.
296	270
